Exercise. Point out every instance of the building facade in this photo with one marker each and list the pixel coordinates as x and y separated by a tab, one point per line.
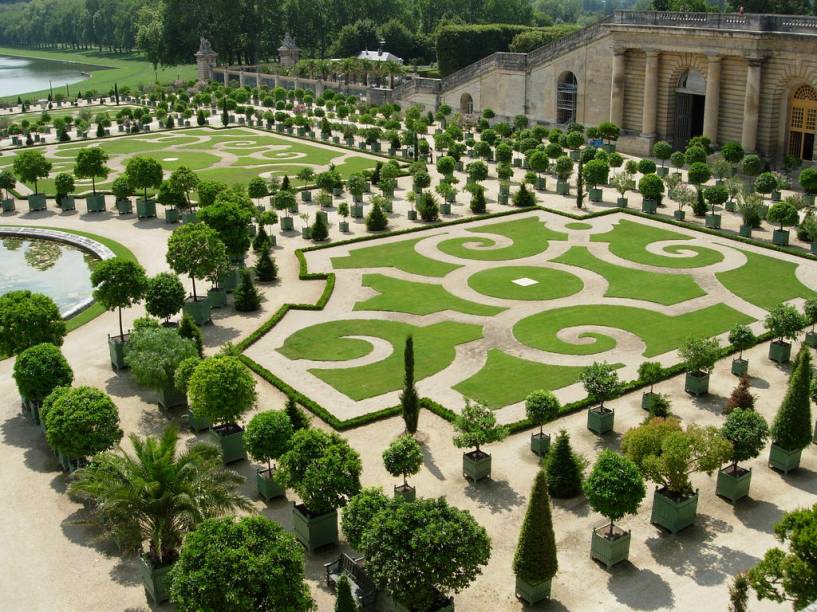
669	76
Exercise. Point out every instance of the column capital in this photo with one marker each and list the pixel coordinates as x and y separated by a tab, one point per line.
713	57
755	60
651	52
620	50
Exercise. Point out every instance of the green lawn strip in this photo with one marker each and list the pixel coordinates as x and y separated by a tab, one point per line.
661	333
629	240
400	255
122	69
529	236
578	225
505	379
398	295
354	165
635	284
70	111
550	284
765	281
434	349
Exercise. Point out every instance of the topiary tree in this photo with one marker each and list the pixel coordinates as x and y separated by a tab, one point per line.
600	381
732	152
230	216
246	297
344	602
267	437
475	426
144	173
195	249
27	319
64	184
80	421
257	189
524	198
427	207
651	187
409	400
419	578
118	283
7	183
164	295
248	563
183	181
40	369
647	166
595	172
30	166
377	221
221	389
791	428
784	322
716	195
189	329
807	179
662	150
564	468
154	353
535	560
751	165
783	213
614	488
266	269
699	355
747	431
403	457
540	407
649	373
678	160
742	338
359	513
91	163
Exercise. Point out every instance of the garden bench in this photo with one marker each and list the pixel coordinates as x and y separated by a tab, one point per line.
363	589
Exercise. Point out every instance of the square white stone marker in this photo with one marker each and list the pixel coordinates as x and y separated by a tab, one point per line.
524	282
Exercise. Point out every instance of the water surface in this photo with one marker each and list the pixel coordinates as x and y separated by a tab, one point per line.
20	75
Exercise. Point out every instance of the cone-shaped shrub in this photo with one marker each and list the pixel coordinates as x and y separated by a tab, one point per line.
535	559
791	429
247	298
564	473
319	229
261	240
266	270
377	220
345	602
189	329
296	416
409	401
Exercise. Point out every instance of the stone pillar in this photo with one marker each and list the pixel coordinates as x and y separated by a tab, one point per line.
650	94
751	103
713	97
617	87
241	79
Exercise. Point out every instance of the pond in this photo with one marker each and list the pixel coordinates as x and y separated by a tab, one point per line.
20	75
60	271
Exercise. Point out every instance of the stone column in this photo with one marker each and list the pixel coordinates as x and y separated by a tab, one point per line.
713	97
617	87
650	94
241	78
751	103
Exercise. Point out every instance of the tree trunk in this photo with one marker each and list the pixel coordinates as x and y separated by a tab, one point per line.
121	331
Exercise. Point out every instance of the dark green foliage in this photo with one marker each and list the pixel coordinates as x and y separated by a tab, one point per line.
791	429
535	559
164	295
403	457
540	407
359	512
267	436
40	369
747	431
739	593
580	184
27	319
266	269
229	216
247	298
261	240
461	45
564	472
699	207
409	400
377	221
344	601
615	486
524	198
478	205
319	229
80	421
189	329
427	206
296	416
118	283
221	389
247	563
153	353
531	39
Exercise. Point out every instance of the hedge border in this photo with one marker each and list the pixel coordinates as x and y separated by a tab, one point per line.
431	405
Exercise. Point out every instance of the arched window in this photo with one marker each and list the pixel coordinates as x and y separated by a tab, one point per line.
566	89
803	122
466	104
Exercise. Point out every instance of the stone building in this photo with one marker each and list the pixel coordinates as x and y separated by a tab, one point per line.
288	52
206	60
671	76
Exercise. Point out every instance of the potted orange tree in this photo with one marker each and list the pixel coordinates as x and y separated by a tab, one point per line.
747	431
540	407
784	323
403	457
601	382
266	438
475	426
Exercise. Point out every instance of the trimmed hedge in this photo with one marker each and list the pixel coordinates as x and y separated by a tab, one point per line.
461	45
525	42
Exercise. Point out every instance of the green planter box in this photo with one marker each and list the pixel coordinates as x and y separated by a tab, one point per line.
784	460
231	441
780	237
357	211
539	443
595	194
155	579
532	593
662	171
406	492
622	202
476	465
563	188
647	400
171	398
306	233
671	514
730	206
679	215
575	155
198	311
171	215
36	202
315	531
600	421
189	217
696	384
541	185
733	486
610	550
503	198
124	207
344	227
649	206
306	195
445	207
713	221
116	348
95	203
229	281
197	423
740	367
265	483
145	209
8	205
67	204
811	339
287	224
745	231
412	215
217	297
780	351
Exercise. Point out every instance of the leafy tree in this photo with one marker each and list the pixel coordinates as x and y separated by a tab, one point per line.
118	283
344	601
747	431
699	355
476	425
296	416
377	220
64	184
154	353
246	297
784	322
732	152
662	150
564	469
742	338
164	295
7	183
267	436
265	268
790	575
208	190
257	188
524	198
144	173
409	400
651	186
195	249
535	559
739	593
30	166
189	329
39	370
615	487
322	469
221	390
91	163
27	319
359	513
595	172
183	180
80	421
229	217
188	487
427	206
601	382
807	179
540	407
716	195
650	372
403	457
783	213
478	205
791	428
810	312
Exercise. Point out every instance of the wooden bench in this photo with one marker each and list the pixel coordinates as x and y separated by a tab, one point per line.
363	589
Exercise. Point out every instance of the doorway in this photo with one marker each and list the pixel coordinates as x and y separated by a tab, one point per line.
803	123
690	100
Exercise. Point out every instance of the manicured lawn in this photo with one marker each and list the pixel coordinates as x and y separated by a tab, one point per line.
505	379
765	281
550	284
434	350
124	69
629	240
660	333
635	284
529	236
397	295
400	255
578	225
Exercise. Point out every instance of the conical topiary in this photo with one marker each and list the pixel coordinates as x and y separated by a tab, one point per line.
296	416
189	329
377	220
791	429
247	298
319	229
266	270
535	559
345	602
261	240
409	401
563	470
